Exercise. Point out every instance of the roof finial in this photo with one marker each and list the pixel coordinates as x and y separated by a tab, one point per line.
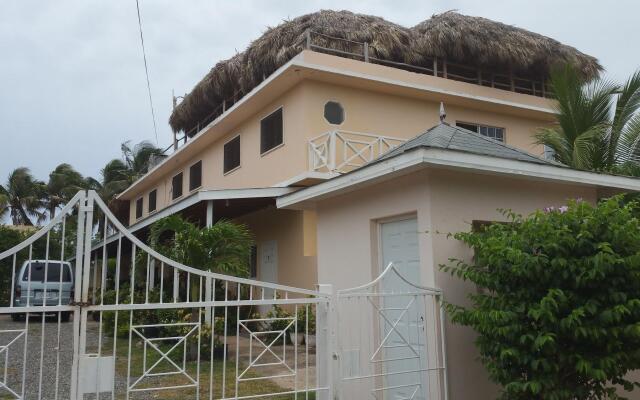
443	113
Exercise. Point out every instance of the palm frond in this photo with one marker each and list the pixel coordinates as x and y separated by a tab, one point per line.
628	102
629	146
4	204
584	151
556	141
224	247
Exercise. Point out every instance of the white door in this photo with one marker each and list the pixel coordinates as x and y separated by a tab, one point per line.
268	267
402	339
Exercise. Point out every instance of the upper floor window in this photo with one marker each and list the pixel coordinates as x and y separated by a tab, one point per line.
152	200
334	113
176	186
139	208
231	154
492	132
271	131
195	176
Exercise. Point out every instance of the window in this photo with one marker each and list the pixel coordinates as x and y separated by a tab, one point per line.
139	208
195	176
52	271
231	154
488	131
253	263
271	131
152	200
176	186
334	113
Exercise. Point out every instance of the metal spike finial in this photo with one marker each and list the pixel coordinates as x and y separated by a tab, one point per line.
443	113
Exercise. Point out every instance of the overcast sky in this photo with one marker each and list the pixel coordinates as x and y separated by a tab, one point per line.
72	76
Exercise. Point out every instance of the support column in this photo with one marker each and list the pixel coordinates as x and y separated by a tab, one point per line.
209	290
327	367
209	220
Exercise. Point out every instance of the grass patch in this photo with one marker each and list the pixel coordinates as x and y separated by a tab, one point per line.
222	372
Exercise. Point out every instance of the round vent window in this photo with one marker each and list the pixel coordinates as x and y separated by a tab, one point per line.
334	113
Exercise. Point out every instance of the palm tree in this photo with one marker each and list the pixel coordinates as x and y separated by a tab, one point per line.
23	197
119	174
598	126
137	158
224	247
64	183
4	206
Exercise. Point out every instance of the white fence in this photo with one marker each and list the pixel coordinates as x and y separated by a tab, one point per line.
182	332
389	340
343	151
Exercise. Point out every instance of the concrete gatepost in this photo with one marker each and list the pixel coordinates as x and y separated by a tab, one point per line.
326	345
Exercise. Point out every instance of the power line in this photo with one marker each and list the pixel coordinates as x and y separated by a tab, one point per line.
146	70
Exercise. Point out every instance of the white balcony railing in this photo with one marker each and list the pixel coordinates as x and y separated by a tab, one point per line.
343	151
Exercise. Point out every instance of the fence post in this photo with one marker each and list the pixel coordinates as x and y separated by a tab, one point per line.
82	210
331	156
366	52
308	33
443	345
326	356
208	296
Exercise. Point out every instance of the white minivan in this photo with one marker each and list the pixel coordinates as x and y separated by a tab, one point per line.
30	288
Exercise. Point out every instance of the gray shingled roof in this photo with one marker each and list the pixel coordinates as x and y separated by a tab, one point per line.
445	136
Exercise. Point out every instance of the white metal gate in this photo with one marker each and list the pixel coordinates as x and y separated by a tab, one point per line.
390	340
144	326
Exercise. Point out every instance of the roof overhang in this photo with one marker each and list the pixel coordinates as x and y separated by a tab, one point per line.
195	198
209	195
310	65
421	158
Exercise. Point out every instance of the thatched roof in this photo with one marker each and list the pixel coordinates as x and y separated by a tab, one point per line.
470	40
482	42
278	45
220	83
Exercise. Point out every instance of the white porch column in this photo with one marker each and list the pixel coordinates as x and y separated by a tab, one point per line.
209	290
209	220
326	355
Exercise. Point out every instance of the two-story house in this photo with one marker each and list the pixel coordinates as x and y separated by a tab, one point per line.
325	93
325	138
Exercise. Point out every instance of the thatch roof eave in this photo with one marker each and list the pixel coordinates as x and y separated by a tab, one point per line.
475	41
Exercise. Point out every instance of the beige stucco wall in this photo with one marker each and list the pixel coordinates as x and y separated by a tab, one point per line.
366	111
255	170
287	228
405	117
443	202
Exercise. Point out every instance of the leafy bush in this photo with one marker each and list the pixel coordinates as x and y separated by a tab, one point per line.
140	317
306	319
278	323
558	307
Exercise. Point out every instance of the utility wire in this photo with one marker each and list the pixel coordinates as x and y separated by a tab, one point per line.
146	70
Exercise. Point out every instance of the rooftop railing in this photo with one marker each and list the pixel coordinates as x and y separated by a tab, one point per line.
365	52
342	151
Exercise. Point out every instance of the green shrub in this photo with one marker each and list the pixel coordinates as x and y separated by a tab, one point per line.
140	317
278	324
558	307
303	320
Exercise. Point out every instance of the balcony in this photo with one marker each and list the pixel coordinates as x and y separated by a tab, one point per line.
343	151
